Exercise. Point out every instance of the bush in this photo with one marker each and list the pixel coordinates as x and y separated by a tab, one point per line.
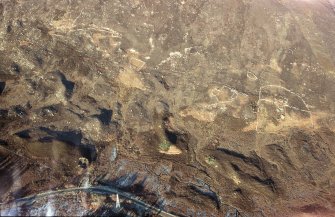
210	160
164	146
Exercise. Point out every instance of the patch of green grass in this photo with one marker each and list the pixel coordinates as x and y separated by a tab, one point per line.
210	160
164	145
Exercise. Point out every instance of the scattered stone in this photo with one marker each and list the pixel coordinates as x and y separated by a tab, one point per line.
83	162
113	154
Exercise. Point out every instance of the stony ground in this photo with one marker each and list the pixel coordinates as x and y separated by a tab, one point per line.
210	107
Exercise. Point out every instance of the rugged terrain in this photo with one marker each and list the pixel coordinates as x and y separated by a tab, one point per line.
198	108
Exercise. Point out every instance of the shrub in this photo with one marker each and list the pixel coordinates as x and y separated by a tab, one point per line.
210	160
164	145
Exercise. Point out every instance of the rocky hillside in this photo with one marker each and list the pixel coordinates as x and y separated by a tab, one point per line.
195	107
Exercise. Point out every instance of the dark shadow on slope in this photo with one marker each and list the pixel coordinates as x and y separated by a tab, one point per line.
69	85
2	86
72	138
24	134
105	116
